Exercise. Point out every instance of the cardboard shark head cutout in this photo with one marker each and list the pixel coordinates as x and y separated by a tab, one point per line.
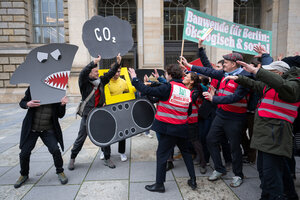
46	69
107	36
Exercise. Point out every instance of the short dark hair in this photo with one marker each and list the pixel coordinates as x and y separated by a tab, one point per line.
174	71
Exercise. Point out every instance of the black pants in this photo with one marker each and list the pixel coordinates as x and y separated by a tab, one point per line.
107	150
49	139
166	144
82	134
275	177
249	152
232	129
204	127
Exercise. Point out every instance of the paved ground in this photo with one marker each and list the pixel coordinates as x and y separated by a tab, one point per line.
92	180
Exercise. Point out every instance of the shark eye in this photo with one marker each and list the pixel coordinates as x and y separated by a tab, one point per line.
56	54
42	57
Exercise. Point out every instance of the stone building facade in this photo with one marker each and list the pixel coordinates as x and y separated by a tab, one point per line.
26	24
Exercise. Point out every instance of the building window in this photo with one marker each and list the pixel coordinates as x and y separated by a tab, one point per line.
247	12
48	21
124	9
174	11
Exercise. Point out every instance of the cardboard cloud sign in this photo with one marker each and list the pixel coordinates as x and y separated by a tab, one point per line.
107	36
46	69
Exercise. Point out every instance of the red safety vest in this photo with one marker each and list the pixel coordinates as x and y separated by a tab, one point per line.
273	107
228	89
175	109
193	118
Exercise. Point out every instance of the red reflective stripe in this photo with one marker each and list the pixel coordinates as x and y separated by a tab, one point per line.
171	113
273	107
228	89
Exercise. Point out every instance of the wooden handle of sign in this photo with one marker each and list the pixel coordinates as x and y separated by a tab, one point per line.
182	46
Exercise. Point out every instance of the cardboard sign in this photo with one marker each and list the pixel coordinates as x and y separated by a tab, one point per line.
109	99
107	36
46	69
225	34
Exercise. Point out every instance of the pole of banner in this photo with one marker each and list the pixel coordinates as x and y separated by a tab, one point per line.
182	46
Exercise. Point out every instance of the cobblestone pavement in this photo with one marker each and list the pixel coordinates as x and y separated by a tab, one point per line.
92	180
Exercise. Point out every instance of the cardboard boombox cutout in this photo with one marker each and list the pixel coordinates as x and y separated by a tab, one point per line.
121	97
46	69
116	122
107	36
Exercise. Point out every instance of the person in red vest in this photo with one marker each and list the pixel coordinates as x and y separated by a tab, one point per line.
279	87
192	82
230	116
170	123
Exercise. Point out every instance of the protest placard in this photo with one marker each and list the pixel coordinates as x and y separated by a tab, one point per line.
225	34
107	36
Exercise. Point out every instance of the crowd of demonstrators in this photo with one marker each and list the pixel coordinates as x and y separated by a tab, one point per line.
279	87
41	121
252	106
117	86
230	115
89	80
170	122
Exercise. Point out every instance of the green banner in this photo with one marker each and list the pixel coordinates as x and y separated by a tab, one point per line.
226	34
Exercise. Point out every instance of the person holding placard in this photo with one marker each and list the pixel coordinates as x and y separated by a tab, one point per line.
230	116
88	80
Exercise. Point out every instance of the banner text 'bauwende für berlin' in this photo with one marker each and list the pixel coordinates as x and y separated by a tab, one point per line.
226	35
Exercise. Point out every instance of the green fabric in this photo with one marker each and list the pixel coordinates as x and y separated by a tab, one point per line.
274	135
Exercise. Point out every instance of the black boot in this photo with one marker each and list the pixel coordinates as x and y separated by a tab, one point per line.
155	187
169	165
192	183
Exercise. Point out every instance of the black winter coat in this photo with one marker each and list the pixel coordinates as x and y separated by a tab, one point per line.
58	111
86	86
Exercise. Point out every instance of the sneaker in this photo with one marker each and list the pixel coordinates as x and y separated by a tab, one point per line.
215	176
20	181
62	178
203	170
71	165
236	181
123	157
149	135
101	155
109	163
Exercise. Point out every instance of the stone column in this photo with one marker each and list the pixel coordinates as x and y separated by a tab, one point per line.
293	27
222	9
78	12
150	34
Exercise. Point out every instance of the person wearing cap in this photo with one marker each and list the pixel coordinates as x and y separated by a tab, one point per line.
272	136
88	80
230	115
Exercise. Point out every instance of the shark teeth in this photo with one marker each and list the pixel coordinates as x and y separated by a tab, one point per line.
58	80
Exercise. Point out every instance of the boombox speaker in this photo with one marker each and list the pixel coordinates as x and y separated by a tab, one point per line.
116	122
